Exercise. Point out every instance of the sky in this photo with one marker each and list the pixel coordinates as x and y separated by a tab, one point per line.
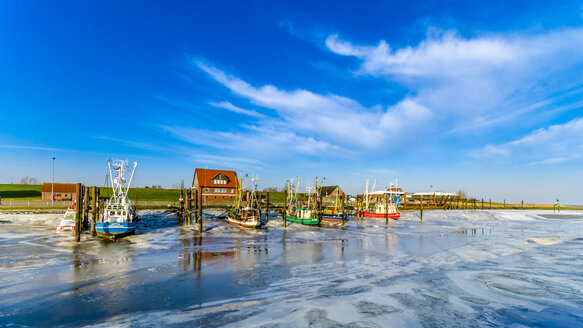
482	96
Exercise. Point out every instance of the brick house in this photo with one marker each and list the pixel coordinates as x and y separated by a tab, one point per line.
62	191
217	185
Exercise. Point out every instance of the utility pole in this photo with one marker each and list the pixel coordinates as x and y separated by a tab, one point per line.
53	185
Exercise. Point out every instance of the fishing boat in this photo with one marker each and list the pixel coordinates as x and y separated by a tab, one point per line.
333	213
381	204
246	211
300	211
119	218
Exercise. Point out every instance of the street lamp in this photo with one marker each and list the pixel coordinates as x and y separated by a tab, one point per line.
53	185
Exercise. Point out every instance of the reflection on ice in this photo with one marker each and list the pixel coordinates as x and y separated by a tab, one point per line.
456	268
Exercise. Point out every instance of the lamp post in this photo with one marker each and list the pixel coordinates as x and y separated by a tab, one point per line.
53	185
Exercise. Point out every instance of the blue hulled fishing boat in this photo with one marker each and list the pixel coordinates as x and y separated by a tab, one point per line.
118	218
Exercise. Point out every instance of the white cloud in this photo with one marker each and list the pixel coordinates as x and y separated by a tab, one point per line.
556	144
256	143
482	82
330	118
228	106
31	148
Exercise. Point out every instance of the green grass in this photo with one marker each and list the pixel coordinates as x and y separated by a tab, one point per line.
144	195
20	192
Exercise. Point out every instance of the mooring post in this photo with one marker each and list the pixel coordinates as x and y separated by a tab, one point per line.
504	203
195	196
490	203
522	204
360	209
343	209
319	199
78	213
85	208
421	208
266	207
187	206
180	205
482	204
200	203
284	214
93	210
386	209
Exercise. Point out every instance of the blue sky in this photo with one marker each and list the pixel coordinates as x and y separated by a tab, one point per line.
473	95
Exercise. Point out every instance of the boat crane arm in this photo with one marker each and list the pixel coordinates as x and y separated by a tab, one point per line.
111	176
131	177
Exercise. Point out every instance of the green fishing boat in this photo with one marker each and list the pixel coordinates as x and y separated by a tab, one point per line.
300	211
303	216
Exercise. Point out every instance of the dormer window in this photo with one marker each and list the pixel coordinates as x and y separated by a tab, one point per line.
220	179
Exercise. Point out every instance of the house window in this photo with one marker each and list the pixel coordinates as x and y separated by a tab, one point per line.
219	181
220	190
206	189
232	191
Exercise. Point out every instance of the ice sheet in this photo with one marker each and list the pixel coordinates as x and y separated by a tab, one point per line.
455	268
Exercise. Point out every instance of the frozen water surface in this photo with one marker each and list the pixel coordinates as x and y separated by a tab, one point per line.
454	269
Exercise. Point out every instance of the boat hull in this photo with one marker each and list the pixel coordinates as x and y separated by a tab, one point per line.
253	222
307	221
115	229
381	215
332	218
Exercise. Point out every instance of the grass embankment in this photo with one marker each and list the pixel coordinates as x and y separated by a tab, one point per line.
20	192
147	194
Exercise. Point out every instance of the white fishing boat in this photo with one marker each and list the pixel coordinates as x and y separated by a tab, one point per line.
119	218
68	221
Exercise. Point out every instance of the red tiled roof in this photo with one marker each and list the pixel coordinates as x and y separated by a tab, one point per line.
60	187
205	177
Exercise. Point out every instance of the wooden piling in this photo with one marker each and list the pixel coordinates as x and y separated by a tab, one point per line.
93	210
421	208
522	204
200	203
386	209
482	204
266	207
78	208
187	206
195	196
284	214
490	203
343	209
85	208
